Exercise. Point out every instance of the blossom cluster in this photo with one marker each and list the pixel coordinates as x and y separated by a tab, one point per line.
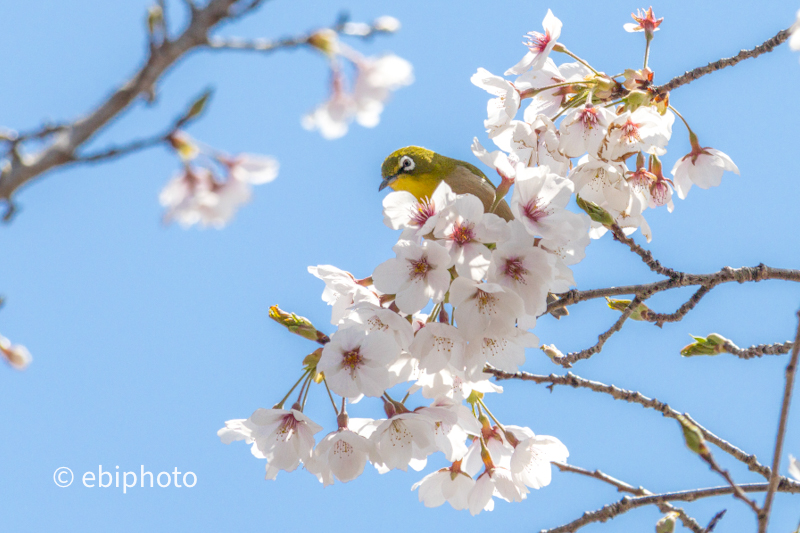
585	126
199	194
466	286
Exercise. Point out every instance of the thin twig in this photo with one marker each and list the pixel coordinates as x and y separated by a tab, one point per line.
573	357
630	396
646	255
687	77
737	492
725	275
366	31
759	350
678	315
621	486
627	503
713	522
791	368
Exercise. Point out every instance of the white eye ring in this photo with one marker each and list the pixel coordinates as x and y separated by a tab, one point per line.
406	164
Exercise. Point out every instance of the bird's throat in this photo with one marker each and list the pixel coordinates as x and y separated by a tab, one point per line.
420	186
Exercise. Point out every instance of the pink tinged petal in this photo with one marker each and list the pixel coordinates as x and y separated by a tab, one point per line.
430	488
390	275
481	494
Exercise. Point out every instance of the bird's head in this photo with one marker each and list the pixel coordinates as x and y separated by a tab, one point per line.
413	169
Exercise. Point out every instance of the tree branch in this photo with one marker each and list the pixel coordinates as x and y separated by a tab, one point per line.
759	350
567	360
646	256
621	486
688	77
617	393
791	368
737	492
726	275
678	315
627	503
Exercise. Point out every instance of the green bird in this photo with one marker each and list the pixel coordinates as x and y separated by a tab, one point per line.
419	171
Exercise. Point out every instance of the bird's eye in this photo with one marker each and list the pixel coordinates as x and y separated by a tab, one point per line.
406	164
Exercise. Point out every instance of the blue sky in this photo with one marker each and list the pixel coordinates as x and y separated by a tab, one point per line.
147	338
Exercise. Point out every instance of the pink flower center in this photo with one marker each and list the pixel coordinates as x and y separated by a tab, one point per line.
342	448
537	42
515	270
287	428
641	179
351	360
423	210
588	117
463	233
532	211
630	132
419	268
660	192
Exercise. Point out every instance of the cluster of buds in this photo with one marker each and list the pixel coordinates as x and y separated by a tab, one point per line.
211	185
585	126
361	99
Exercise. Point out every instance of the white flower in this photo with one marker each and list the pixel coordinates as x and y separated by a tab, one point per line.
454	384
417	275
402	210
498	482
528	271
702	167
401	441
484	308
549	101
253	169
332	117
16	355
794	38
355	363
502	109
644	130
371	317
341	290
794	464
192	197
583	130
530	463
465	230
602	183
539	45
341	454
375	80
539	201
506	352
435	344
284	438
446	485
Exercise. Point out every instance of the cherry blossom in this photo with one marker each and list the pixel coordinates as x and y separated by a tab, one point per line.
402	210
484	308
539	201
644	130
530	462
341	454
702	167
449	485
356	363
435	344
403	440
341	290
417	275
284	438
465	229
501	109
539	45
583	130
15	355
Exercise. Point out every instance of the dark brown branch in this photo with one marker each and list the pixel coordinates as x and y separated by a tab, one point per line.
627	503
67	141
617	393
621	486
737	492
791	368
726	275
678	315
646	256
573	357
688	77
759	350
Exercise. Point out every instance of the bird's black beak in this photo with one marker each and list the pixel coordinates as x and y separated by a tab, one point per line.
386	182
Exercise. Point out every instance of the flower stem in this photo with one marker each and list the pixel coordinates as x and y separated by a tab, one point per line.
563	49
325	381
647	50
279	405
529	93
496	421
